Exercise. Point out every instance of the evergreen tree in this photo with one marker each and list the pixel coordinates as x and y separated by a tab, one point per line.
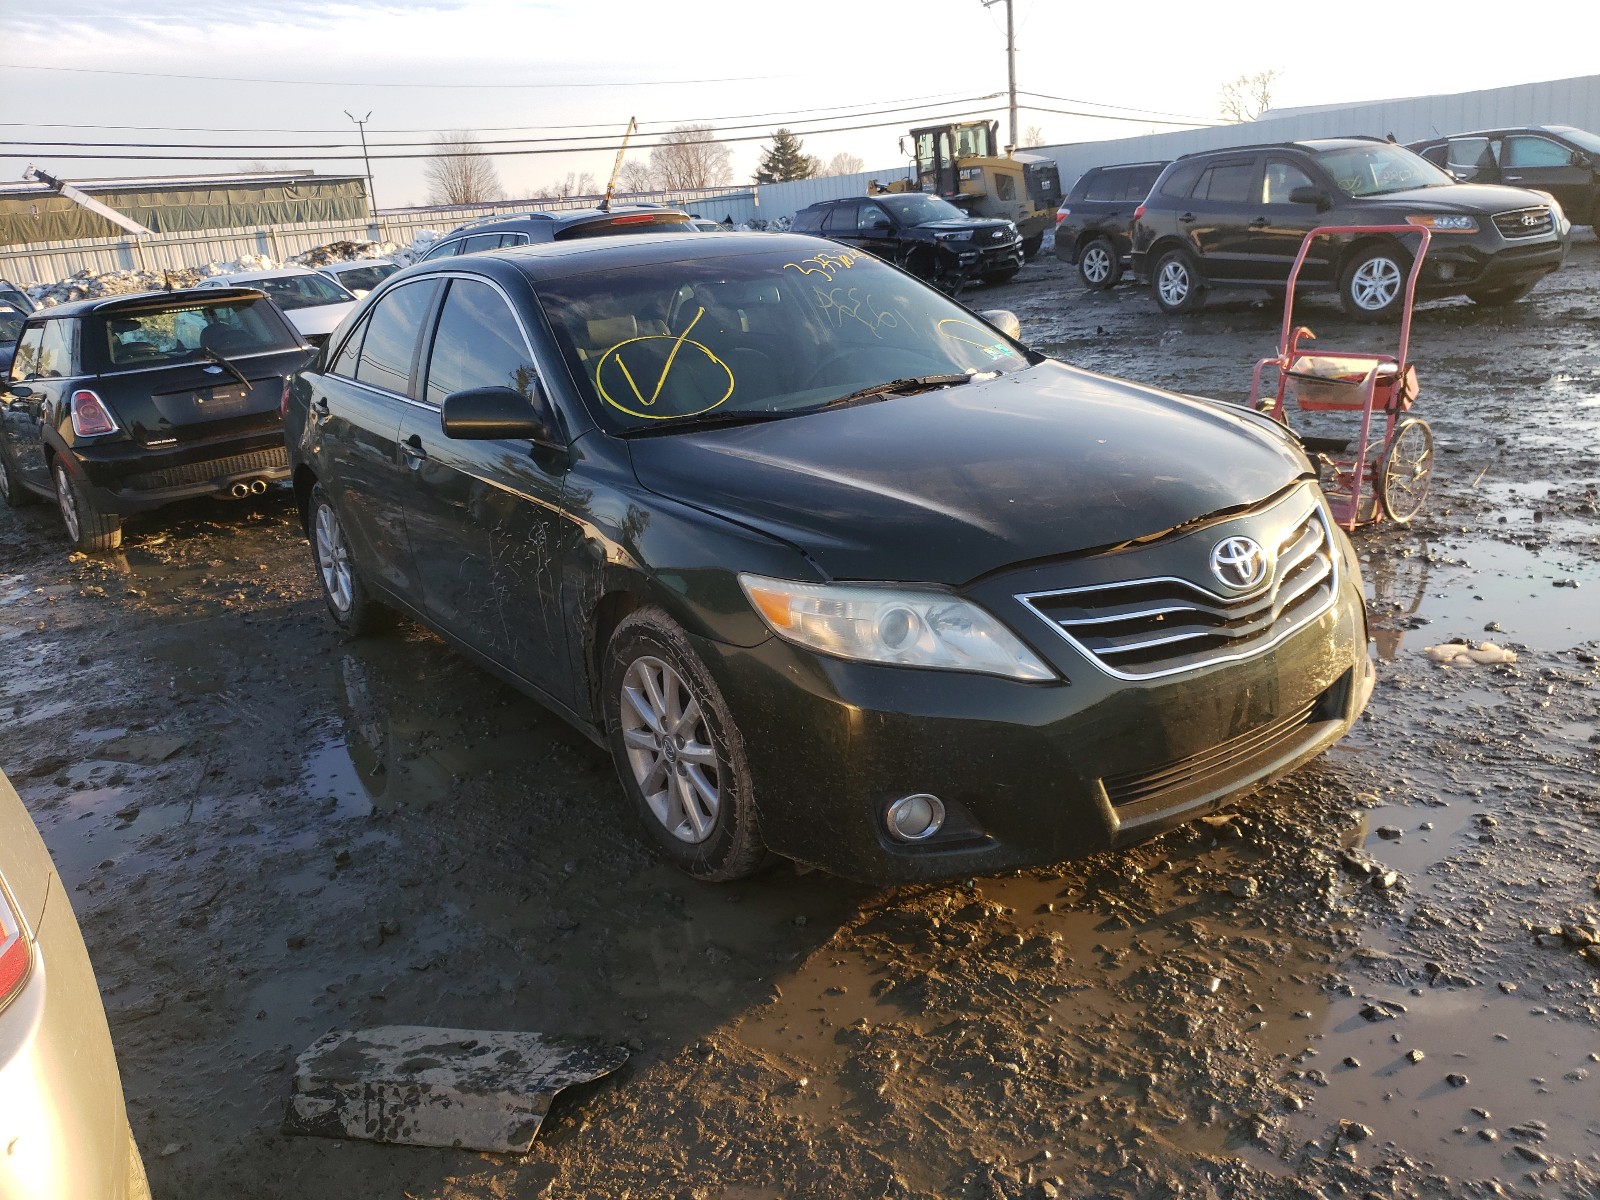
784	160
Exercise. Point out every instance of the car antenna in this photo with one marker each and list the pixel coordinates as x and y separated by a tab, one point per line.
166	277
616	168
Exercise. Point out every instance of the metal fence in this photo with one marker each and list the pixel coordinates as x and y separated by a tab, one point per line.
49	262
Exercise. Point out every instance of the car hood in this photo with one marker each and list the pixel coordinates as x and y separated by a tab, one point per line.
1476	198
958	224
946	486
320	319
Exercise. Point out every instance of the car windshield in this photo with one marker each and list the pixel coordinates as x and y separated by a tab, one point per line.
193	331
300	291
1579	137
1374	168
914	208
758	335
365	277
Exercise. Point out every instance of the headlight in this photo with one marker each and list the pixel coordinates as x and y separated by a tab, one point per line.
1445	224
892	625
964	235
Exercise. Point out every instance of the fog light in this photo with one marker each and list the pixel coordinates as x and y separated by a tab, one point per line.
1447	271
915	818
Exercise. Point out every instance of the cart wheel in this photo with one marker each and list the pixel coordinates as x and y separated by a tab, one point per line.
1373	286
1406	468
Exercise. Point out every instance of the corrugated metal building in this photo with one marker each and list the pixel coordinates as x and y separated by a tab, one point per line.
33	212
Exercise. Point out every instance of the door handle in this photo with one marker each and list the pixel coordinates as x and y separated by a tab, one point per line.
1187	218
1512	178
412	449
1260	223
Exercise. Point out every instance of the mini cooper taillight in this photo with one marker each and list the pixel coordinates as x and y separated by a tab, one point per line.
1138	212
90	416
16	957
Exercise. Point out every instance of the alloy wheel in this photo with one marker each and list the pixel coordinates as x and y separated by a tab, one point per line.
1173	283
1096	264
670	750
333	559
67	502
1375	284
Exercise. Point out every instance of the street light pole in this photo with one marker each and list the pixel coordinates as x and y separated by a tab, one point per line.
1011	62
372	197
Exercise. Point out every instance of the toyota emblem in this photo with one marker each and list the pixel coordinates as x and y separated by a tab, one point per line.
1239	562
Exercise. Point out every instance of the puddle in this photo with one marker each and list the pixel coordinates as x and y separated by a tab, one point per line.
1474	583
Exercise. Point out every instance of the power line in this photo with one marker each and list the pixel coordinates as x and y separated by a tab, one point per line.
298	146
1067	112
842	110
759	137
350	83
1118	107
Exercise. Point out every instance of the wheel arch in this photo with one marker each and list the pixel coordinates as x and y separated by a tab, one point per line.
1361	244
1168	242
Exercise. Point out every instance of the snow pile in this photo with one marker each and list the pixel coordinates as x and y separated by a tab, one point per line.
419	246
338	252
87	285
247	262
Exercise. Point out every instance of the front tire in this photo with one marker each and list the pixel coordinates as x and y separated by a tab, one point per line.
1373	286
1099	266
1175	283
678	753
89	529
1501	296
352	609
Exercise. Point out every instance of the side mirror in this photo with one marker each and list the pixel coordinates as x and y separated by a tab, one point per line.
19	391
1311	195
1580	159
492	413
1005	321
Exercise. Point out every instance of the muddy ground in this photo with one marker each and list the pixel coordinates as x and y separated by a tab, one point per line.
1367	980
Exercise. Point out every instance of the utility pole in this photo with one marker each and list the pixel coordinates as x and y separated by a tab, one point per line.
1011	62
372	197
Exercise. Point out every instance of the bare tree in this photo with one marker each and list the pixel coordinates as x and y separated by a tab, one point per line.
1248	96
573	185
461	173
1033	135
636	176
844	163
690	157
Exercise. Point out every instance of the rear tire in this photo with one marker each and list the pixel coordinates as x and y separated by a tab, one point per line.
1175	283
11	486
1099	266
1501	296
352	609
1373	286
678	753
89	529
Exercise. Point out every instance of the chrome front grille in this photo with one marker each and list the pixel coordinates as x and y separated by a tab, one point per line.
1146	628
1524	222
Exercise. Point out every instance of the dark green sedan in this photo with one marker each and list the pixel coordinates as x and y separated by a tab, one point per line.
836	568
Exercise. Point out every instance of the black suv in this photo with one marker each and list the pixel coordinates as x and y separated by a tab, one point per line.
1557	159
125	403
1236	218
522	229
1094	226
925	235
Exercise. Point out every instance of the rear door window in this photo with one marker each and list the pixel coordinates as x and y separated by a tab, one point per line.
839	218
478	344
1468	158
1226	183
390	342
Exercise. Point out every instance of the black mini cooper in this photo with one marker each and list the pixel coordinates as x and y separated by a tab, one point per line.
832	565
122	404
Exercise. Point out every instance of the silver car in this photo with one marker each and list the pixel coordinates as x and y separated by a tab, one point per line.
63	1128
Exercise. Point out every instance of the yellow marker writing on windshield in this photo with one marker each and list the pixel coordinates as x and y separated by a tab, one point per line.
678	343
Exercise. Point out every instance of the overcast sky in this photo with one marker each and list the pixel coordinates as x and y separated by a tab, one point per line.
596	64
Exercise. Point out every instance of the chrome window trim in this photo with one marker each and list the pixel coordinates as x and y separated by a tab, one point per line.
1317	508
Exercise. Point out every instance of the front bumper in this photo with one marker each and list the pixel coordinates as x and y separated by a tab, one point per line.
1029	774
126	478
972	258
1453	267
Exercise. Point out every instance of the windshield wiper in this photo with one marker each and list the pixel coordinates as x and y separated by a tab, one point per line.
226	366
711	420
895	387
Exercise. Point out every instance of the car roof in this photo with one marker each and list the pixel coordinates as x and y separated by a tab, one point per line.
1556	130
556	260
155	299
266	273
1310	145
351	264
556	220
1159	162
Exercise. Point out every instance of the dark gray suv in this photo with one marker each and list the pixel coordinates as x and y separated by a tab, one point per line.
522	229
